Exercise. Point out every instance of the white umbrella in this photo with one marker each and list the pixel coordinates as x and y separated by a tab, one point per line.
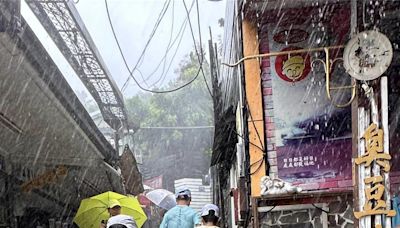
162	198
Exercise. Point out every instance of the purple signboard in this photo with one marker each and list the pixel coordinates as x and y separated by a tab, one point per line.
319	160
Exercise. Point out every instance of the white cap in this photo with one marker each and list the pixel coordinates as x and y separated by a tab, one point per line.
182	191
209	207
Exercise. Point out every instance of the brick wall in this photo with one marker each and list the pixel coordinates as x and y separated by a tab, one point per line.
268	107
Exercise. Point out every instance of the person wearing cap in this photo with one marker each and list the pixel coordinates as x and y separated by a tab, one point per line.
181	216
117	219
209	216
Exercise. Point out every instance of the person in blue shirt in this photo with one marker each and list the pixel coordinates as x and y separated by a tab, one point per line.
181	216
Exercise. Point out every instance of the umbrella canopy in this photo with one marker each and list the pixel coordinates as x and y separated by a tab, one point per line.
162	198
94	209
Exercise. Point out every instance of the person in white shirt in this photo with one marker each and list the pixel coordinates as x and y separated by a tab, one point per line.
117	220
121	221
209	216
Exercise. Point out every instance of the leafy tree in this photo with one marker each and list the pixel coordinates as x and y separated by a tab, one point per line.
175	153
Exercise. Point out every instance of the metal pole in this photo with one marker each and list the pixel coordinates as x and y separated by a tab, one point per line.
385	127
362	122
375	119
116	138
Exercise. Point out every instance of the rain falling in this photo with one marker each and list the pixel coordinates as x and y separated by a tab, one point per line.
199	113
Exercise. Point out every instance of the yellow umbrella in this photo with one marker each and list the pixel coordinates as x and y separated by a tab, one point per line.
94	209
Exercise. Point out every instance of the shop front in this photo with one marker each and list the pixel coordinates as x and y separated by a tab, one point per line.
321	121
321	94
52	155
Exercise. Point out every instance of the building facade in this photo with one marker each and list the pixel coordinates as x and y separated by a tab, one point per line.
52	155
286	114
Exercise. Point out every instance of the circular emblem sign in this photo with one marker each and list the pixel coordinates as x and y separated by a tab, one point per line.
293	67
368	55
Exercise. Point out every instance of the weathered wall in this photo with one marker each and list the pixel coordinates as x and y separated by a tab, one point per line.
340	216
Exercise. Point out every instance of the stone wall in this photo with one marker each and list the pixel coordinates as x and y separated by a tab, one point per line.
340	216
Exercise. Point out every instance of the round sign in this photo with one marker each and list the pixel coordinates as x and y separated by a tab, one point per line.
368	55
292	67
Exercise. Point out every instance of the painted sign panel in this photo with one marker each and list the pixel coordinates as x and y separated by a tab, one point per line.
375	204
317	159
294	67
312	138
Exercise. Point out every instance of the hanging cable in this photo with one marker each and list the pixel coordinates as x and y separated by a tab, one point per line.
169	45
246	140
131	72
321	209
153	32
201	46
180	33
260	162
262	159
160	17
199	55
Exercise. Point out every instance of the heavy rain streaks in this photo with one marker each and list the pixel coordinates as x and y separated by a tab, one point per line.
177	113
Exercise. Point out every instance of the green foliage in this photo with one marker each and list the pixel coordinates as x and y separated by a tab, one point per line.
175	153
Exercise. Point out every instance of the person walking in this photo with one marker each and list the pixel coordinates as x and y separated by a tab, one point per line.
118	220
181	216
209	216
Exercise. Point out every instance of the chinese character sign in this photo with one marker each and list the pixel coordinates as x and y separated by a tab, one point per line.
375	188
303	161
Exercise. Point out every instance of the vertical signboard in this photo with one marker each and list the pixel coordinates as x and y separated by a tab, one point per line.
311	137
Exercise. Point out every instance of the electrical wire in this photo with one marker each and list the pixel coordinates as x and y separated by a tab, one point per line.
254	125
246	140
201	46
321	209
262	159
273	207
169	45
261	162
199	55
161	15
153	32
131	72
172	59
180	33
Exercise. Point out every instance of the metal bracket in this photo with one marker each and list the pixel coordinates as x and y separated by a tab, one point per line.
328	63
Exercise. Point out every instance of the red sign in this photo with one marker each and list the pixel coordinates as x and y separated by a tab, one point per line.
292	67
155	182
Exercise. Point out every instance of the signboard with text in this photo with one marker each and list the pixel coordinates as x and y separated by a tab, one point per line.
311	137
